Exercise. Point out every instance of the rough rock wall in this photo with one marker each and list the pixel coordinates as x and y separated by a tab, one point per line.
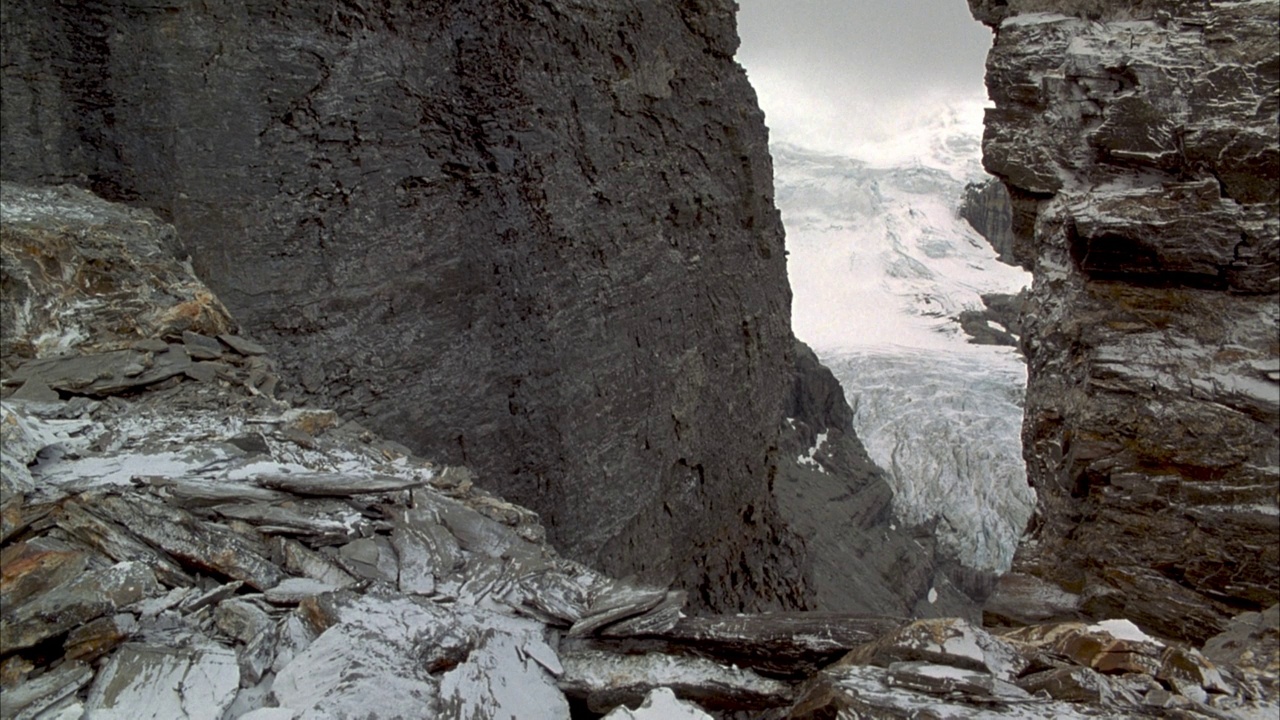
989	210
537	238
1139	143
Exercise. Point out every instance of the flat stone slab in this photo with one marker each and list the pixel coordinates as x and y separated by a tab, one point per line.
201	347
86	598
294	590
33	697
279	520
606	680
242	344
337	484
148	682
198	544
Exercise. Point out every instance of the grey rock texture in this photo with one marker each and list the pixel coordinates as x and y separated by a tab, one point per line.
1138	141
998	323
989	209
77	268
535	238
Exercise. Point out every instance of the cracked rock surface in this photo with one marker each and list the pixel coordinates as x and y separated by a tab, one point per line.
1138	142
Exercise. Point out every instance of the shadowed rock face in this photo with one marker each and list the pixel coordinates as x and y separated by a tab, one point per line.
536	239
1138	141
987	207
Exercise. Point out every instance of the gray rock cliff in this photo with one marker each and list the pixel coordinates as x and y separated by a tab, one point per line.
537	238
988	208
1138	141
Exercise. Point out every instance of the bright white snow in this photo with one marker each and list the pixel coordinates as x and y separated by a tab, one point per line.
1122	629
809	459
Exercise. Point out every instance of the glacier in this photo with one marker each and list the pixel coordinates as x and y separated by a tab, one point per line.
881	265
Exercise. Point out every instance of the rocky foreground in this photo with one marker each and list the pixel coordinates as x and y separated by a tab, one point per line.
178	543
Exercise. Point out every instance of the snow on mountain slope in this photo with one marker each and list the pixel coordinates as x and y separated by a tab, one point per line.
880	266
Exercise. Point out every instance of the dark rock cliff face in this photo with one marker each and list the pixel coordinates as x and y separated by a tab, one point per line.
537	238
989	210
1138	141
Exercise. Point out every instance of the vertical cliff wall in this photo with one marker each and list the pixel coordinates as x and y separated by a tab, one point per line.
1138	141
537	238
988	209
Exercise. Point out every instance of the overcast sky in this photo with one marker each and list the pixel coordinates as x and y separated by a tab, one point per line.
833	74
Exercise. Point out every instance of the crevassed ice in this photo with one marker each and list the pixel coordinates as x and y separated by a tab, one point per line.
880	265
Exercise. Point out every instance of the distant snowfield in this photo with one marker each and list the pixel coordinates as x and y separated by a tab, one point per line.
880	265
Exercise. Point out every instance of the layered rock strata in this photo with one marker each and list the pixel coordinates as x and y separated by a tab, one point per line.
178	542
988	208
538	239
1138	142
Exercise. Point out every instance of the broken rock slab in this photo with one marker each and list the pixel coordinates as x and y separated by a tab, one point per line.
1251	643
200	545
1070	684
508	674
89	642
787	644
606	680
420	659
149	682
616	602
80	601
946	680
858	691
292	591
36	567
301	560
102	374
337	484
117	543
943	641
33	698
201	347
1112	646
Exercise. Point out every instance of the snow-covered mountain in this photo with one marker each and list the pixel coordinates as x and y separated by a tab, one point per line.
881	264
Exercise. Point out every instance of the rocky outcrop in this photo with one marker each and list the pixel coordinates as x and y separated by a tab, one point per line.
999	322
1138	141
537	239
989	210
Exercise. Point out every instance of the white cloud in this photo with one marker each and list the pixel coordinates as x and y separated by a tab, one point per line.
840	75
